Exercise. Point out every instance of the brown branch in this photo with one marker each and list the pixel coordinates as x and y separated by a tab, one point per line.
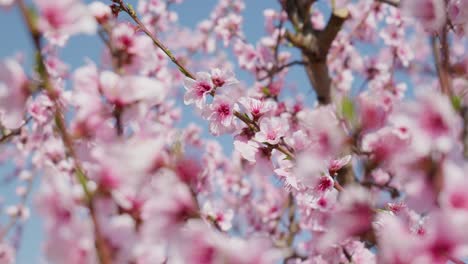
275	70
464	113
314	45
440	65
15	132
394	3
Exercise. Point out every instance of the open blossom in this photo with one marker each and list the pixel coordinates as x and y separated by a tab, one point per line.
222	78
124	36
256	107
101	11
222	218
65	18
229	27
198	89
247	149
221	114
13	93
272	130
124	90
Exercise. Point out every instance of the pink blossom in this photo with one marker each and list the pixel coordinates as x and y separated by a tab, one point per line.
457	12
248	149
229	27
130	89
223	78
171	208
13	93
326	136
335	165
256	107
452	195
123	35
65	18
222	219
7	254
6	3
198	89
271	130
430	13
221	114
100	11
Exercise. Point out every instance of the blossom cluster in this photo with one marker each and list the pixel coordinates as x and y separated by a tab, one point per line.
372	171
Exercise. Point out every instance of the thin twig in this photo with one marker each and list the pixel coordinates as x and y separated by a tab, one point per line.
155	40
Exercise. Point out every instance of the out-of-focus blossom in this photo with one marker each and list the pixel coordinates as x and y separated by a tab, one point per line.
13	93
65	18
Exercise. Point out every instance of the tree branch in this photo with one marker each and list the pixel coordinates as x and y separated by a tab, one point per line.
394	3
129	10
313	44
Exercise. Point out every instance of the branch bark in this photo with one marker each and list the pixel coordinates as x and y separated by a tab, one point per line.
314	45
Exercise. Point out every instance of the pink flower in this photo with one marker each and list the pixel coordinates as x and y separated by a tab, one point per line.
454	195
7	254
335	165
124	37
384	144
271	130
198	89
65	18
247	55
221	114
229	27
100	11
6	3
323	129
168	210
458	12
223	78
256	107
124	90
222	218
247	149
430	13
13	93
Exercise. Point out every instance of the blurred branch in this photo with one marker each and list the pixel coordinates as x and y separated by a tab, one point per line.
15	132
129	10
440	52
102	249
394	3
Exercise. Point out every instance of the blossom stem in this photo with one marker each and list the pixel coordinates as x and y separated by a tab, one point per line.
155	40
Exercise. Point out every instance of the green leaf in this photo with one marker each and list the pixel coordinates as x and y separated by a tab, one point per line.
266	91
456	103
348	109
